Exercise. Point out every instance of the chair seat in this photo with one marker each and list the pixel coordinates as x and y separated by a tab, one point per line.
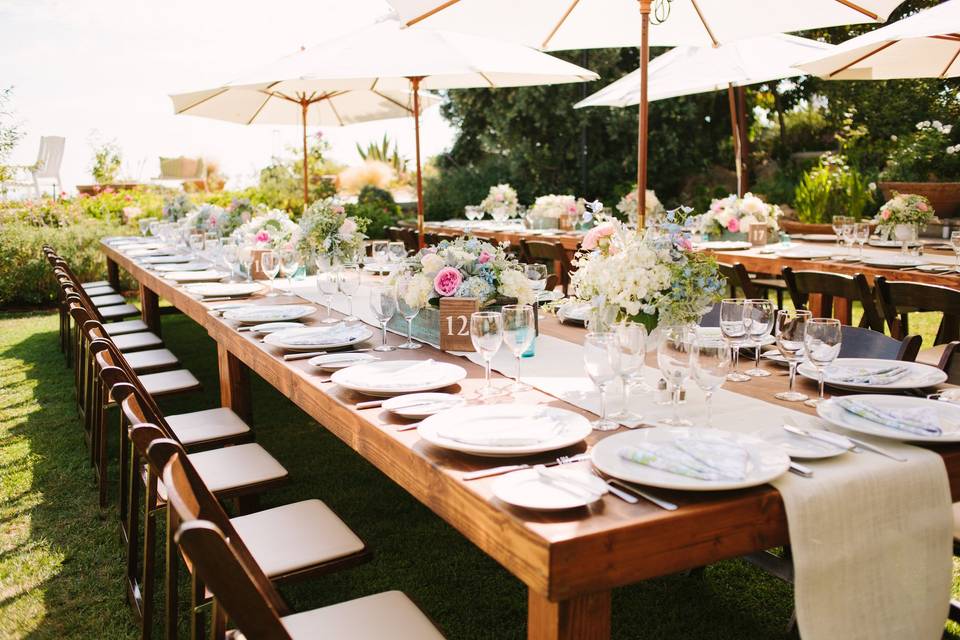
99	291
211	424
296	536
166	382
932	355
95	284
137	341
125	326
151	360
235	467
384	615
108	300
770	283
118	311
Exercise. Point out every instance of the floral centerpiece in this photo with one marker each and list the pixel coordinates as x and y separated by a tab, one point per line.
628	206
561	211
326	228
732	215
903	216
466	268
651	276
210	217
502	197
177	207
271	229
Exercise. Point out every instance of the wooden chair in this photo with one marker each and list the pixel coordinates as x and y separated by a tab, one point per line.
410	239
950	362
243	592
551	254
104	313
395	234
898	299
291	542
755	288
431	239
833	285
858	342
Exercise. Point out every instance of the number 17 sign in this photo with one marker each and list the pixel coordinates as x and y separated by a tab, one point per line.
455	323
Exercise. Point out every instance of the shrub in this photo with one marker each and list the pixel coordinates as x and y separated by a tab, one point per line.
926	154
371	193
833	188
380	215
454	187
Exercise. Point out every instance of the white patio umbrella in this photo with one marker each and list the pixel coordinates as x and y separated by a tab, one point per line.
924	45
688	70
264	103
386	57
584	24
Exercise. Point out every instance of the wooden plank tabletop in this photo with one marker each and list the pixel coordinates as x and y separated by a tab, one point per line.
568	561
570	241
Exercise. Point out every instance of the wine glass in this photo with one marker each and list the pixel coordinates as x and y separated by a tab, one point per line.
486	334
196	243
733	327
378	251
270	265
601	360
848	236
396	252
230	253
789	330
383	303
246	255
518	334
821	339
837	223
144	225
632	342
759	315
349	284
154	227
673	358
861	233
409	306
536	274
289	264
709	365
955	244
328	283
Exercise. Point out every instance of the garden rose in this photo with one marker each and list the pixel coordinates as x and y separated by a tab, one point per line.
348	228
885	214
733	225
922	206
263	237
593	238
484	257
447	281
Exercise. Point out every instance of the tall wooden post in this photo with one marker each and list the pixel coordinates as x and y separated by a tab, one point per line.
735	128
304	105
415	85
644	125
744	138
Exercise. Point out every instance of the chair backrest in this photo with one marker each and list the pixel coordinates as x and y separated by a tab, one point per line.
64	269
833	285
893	296
50	157
712	317
136	404
550	253
738	278
950	362
857	342
182	168
394	234
431	239
410	239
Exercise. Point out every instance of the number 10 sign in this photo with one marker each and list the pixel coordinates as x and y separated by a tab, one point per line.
455	323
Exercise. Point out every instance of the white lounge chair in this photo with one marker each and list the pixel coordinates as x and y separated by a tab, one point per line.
47	167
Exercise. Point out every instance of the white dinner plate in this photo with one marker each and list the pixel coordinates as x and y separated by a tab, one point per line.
521	429
259	313
876	242
182	266
767	461
141	252
337	361
805	253
273	327
333	336
800	447
222	289
919	375
949	416
563	489
935	268
389	378
816	237
894	261
421	405
725	245
179	258
574	312
207	275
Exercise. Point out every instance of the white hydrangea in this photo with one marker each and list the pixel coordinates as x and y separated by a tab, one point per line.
514	284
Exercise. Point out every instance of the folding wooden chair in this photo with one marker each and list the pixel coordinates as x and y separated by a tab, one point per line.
754	288
854	288
899	299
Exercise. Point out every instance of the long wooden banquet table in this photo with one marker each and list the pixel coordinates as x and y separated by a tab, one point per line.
569	562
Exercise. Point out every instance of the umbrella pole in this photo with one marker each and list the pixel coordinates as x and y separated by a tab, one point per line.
737	148
304	105
644	124
415	84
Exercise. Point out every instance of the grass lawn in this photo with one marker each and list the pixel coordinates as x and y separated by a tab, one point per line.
61	565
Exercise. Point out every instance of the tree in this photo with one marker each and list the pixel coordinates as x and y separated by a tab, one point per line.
10	132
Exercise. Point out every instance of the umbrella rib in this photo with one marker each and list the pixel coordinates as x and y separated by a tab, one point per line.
856	7
399	104
863	57
956	53
259	109
334	109
489	81
200	102
436	9
950	36
559	24
706	25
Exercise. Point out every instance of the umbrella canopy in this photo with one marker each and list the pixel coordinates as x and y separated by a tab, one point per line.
583	24
924	45
386	57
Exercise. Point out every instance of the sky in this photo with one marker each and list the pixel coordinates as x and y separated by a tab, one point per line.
102	69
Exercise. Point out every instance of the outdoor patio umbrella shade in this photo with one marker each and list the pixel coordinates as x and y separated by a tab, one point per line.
584	24
385	57
924	45
264	103
688	70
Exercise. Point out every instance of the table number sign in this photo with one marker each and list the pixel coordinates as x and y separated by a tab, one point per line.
455	323
757	234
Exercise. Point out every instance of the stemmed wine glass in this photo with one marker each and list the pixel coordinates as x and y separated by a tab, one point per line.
409	307
821	339
396	252
378	251
955	243
383	303
861	233
518	334
154	227
230	253
789	331
144	225
486	334
196	243
837	223
709	364
848	236
601	359
246	255
734	328
270	265
289	264
349	284
632	342
673	358
536	274
327	283
758	316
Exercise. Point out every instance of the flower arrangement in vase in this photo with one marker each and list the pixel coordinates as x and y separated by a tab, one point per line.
501	202
735	215
271	229
326	228
902	216
565	210
628	206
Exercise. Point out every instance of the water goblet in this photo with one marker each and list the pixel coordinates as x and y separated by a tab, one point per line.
673	359
861	234
230	253
196	243
327	283
270	265
759	315
632	342
709	365
518	333
734	328
486	334
289	264
601	360
378	251
383	303
955	244
247	256
789	330
821	339
396	252
837	223
409	306
536	274
349	282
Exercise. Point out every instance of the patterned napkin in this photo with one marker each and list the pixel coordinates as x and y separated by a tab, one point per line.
509	431
865	375
921	421
419	374
322	336
701	458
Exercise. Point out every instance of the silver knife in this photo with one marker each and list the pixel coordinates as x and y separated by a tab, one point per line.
874	448
836	439
801	470
660	502
496	471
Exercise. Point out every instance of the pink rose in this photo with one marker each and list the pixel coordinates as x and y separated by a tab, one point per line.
498	197
921	206
484	257
686	244
592	240
348	228
263	236
447	281
885	214
733	226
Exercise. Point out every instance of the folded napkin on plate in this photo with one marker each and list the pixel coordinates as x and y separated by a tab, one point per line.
921	421
415	375
701	458
866	375
321	336
509	432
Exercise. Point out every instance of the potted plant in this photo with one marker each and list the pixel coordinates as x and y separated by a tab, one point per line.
925	162
902	217
730	218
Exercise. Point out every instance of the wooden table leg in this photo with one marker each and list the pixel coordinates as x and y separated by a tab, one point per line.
234	384
843	311
585	617
113	275
150	308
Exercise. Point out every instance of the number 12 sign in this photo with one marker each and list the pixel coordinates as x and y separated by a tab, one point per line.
455	323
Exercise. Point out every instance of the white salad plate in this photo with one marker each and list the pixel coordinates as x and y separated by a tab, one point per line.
174	259
725	245
421	405
380	269
894	261
918	375
259	313
504	430
273	327
766	461
181	266
337	361
207	275
549	296
936	268
332	336
395	377
224	289
559	488
816	237
800	447
948	413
